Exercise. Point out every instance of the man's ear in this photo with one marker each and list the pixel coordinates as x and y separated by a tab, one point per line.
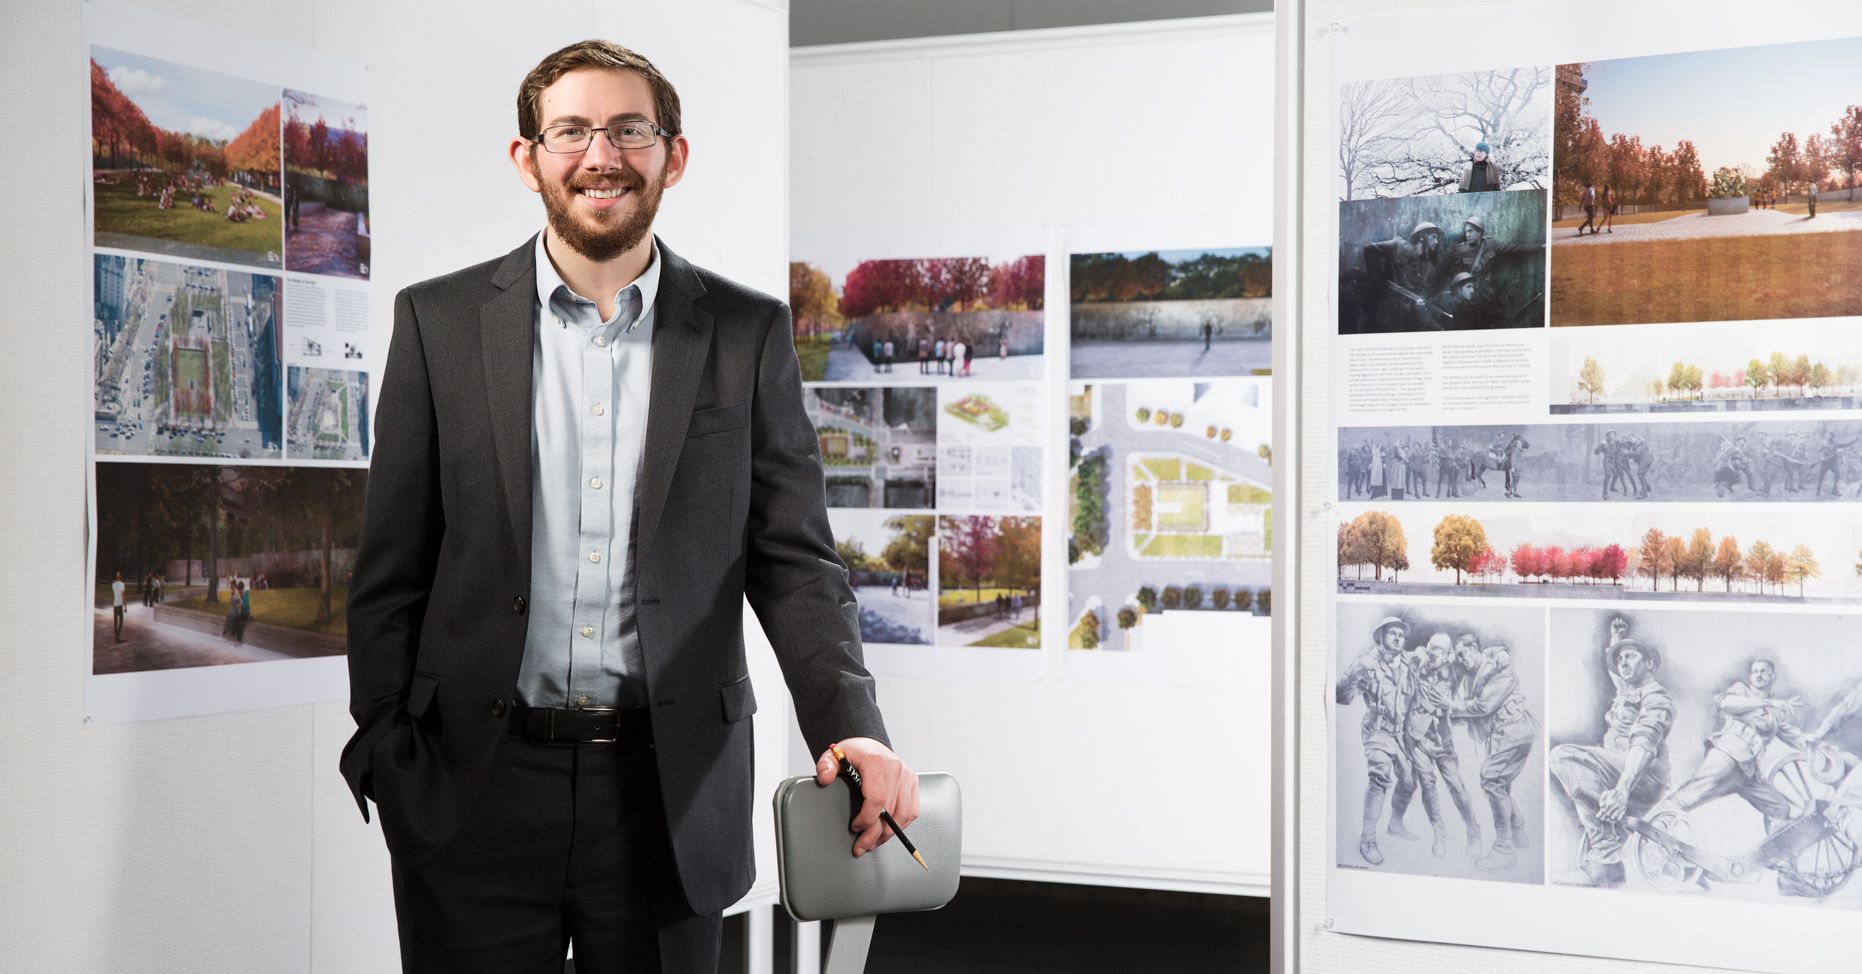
678	155
524	159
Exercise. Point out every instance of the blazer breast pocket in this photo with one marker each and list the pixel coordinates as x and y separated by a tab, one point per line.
718	419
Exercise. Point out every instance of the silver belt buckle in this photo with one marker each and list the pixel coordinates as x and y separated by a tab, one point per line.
603	710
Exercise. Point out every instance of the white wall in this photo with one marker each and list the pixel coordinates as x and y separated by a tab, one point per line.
1077	767
229	843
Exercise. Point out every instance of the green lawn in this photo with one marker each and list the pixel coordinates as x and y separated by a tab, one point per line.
1248	494
1192	501
1832	203
1075	636
1183	546
120	211
1022	635
969	596
1709	279
1578	221
1164	468
222	380
293	608
814	355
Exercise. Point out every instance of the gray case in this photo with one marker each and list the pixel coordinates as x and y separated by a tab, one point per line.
820	878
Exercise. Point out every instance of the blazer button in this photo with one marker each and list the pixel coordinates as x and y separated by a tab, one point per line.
518	605
497	708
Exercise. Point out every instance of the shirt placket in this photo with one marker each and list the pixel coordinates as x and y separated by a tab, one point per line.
594	576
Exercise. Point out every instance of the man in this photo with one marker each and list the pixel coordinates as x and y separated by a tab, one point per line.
1477	253
117	607
1626	772
1495	710
1384	679
1481	175
1751	717
591	453
1406	271
1588	200
1830	457
1429	737
1614	472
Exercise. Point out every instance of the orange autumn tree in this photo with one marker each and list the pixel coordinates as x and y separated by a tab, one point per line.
256	150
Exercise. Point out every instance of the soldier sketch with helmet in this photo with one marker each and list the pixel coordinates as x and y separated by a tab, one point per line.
1444	708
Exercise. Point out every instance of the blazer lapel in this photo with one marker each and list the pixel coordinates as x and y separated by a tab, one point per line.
507	325
681	340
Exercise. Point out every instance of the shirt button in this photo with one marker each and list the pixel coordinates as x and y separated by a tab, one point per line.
601	341
581	701
594	557
588	630
518	605
598	410
595	482
497	708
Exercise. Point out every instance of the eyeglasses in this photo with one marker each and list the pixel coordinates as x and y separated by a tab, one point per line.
632	134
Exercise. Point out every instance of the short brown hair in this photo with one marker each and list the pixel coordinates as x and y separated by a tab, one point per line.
593	54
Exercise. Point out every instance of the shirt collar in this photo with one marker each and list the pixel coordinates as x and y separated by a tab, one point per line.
551	288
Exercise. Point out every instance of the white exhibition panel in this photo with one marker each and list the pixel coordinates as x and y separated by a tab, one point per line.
1343	40
228	842
1148	768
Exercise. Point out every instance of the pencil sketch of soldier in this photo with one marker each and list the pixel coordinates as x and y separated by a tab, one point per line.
1421	458
1831	456
1406	272
1450	464
1751	717
1731	464
1384	679
1626	772
1491	703
1782	460
1637	458
1432	753
1615	471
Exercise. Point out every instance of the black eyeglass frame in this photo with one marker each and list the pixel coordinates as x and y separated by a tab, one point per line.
659	133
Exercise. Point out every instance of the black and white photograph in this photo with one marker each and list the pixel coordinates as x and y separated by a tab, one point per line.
878	445
1706	753
1470	132
1462	262
1439	706
1801	461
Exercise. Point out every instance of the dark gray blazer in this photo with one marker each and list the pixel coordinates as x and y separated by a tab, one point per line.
730	504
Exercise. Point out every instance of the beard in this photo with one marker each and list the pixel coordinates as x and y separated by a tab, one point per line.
600	236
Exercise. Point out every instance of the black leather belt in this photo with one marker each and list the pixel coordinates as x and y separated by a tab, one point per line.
631	728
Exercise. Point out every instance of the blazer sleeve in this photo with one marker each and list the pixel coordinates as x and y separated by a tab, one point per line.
402	527
793	578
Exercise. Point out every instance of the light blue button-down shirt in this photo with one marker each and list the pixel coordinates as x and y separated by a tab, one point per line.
590	380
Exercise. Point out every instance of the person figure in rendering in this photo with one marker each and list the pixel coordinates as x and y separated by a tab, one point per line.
1384	679
1496	712
1812	200
1208	332
1481	175
924	355
591	453
1588	201
1626	772
118	608
1609	208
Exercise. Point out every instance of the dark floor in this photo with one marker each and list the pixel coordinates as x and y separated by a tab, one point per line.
1003	926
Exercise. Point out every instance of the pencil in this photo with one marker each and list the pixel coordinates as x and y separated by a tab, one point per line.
849	772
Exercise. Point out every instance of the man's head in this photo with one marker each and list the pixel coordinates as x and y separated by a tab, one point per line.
601	199
1632	661
1390	634
1762	674
1481	149
1468	650
1463	286
1473	230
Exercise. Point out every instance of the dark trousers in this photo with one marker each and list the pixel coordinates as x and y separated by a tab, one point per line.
566	844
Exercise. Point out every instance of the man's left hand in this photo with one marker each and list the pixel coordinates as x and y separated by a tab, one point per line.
886	783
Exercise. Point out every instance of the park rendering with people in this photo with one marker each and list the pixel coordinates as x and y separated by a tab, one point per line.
1171	313
185	162
1709	186
989	581
920	320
